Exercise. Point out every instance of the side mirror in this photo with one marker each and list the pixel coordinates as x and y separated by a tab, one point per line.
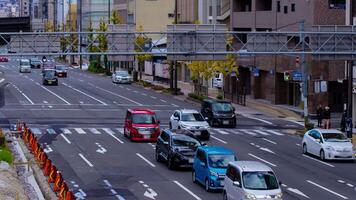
203	164
206	119
236	183
165	143
318	140
233	109
280	182
203	144
158	122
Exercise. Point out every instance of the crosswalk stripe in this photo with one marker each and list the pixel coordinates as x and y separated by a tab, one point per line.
107	130
66	131
223	132
121	130
80	130
275	132
94	130
51	131
261	132
249	132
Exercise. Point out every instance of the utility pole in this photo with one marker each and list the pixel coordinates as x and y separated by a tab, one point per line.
350	67
304	72
79	32
175	60
109	11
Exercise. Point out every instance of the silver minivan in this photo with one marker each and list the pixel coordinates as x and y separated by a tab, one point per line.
251	180
25	66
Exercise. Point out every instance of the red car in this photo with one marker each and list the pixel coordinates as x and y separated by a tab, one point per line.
3	59
141	125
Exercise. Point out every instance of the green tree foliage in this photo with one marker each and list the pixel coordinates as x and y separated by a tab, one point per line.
116	18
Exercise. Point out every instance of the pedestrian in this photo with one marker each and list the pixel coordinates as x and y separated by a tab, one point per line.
319	115
326	116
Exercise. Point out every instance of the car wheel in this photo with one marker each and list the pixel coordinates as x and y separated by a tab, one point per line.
194	177
158	157
322	155
170	163
305	150
207	188
224	196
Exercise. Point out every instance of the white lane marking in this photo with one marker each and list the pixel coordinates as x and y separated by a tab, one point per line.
113	191
50	106
80	131
109	131
116	138
147	161
45	102
128	89
330	165
51	131
65	138
150	193
81	102
107	183
267	150
218	139
48	149
249	132
100	149
326	189
135	91
86	160
296	191
119	197
187	190
265	161
71	87
153	97
121	130
54	94
222	132
141	182
175	105
261	132
163	101
66	131
145	185
296	122
341	181
270	141
257	119
94	130
144	94
123	97
275	132
350	185
23	94
299	145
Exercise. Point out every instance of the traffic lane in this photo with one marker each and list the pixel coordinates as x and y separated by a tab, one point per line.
281	122
285	164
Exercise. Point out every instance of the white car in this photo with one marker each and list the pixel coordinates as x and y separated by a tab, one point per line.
250	180
328	144
25	66
121	77
190	120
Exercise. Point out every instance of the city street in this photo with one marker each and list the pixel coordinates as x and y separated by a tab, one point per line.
80	124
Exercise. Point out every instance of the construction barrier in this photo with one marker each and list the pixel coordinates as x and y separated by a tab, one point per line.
43	160
53	174
47	167
63	190
58	182
70	195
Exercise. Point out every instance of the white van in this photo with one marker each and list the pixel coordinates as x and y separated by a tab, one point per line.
25	66
251	180
218	81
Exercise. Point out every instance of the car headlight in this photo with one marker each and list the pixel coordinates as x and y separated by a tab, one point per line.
184	126
279	196
330	148
250	196
214	174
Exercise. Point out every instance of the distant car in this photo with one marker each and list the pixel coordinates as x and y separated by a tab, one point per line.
251	180
219	113
49	77
191	120
35	63
61	70
121	77
210	164
141	125
3	59
175	149
328	144
218	81
25	66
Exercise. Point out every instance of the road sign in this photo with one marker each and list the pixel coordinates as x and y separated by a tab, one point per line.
255	72
296	75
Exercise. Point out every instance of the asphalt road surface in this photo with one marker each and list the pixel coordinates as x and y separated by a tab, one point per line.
80	123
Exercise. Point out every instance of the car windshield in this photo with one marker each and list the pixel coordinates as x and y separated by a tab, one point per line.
184	141
48	73
222	107
191	117
35	61
144	119
122	73
220	160
334	137
259	180
60	67
25	62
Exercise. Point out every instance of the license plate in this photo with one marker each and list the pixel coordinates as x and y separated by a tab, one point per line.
49	81
191	160
147	136
225	122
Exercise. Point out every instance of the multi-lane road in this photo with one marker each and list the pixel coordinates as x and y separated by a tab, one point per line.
80	124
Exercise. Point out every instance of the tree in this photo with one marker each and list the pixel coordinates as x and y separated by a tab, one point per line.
91	39
48	27
139	47
201	70
116	18
103	41
63	42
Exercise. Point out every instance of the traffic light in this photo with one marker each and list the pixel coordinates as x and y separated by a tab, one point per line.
286	76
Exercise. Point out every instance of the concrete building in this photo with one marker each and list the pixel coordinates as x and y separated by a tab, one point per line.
188	11
285	15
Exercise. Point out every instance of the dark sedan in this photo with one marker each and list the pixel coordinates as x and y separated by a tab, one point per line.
49	77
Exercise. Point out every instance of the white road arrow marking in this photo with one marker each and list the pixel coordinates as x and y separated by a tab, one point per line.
150	193
267	150
101	149
47	149
296	191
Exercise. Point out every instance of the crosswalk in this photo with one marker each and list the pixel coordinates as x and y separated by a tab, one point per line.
114	131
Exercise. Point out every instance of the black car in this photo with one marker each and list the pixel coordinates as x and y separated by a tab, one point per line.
35	63
219	113
61	70
177	150
49	77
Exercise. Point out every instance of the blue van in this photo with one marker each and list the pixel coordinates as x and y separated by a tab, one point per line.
210	164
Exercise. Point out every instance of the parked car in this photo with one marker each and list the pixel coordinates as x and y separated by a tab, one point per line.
191	120
210	164
141	125
218	112
328	144
218	81
121	77
61	70
176	149
4	59
49	77
251	180
35	63
25	66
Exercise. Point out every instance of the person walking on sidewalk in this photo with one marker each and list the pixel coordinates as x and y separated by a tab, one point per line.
326	116
319	115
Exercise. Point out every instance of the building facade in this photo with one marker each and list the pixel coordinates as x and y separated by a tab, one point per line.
267	81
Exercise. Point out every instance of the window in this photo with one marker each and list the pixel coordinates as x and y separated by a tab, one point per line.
285	9
263	5
128	116
242	6
165	136
292	9
337	4
260	180
176	114
278	6
201	156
